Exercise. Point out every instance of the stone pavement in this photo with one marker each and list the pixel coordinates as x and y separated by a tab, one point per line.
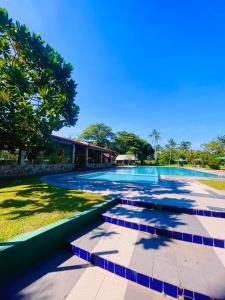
114	262
188	266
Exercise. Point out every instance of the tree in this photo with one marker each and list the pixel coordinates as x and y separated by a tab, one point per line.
127	142
37	91
99	134
221	140
155	136
184	146
213	147
171	146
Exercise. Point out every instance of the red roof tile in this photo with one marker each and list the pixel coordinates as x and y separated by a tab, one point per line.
81	143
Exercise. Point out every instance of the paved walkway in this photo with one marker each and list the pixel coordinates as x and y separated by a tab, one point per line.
189	266
174	192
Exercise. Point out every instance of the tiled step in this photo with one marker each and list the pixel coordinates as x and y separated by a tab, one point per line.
188	228
178	206
171	267
96	283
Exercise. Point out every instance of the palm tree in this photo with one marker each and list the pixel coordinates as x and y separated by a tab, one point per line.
155	136
185	146
171	145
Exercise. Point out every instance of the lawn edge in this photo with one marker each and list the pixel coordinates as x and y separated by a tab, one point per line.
28	248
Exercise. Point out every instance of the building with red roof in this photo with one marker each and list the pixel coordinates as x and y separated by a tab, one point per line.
86	155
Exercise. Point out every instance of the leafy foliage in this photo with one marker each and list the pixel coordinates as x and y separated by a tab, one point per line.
99	134
184	146
36	89
126	142
208	157
155	136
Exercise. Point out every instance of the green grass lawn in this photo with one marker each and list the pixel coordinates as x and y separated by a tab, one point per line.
28	204
216	184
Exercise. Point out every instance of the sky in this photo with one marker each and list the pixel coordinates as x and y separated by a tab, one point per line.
139	65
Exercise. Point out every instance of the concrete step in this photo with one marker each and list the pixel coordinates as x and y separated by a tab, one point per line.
187	204
170	267
188	228
96	283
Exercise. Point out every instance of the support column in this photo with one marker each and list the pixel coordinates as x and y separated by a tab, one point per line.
21	158
101	157
86	157
73	154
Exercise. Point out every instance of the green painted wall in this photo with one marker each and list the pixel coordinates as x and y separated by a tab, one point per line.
27	249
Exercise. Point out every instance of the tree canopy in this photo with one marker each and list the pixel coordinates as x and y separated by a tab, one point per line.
99	134
127	142
37	91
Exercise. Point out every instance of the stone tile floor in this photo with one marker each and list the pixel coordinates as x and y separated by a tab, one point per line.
196	267
198	225
190	266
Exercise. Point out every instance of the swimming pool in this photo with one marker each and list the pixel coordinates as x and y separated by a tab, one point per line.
144	174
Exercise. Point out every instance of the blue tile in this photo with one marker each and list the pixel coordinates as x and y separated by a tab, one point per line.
100	262
131	275
83	254
222	215
89	256
121	222
190	211
107	219
76	250
188	293
120	270
198	296
150	229
187	237
114	221
143	227
207	241
127	224
200	212
143	279
177	235
216	214
156	285
158	231
110	266
180	291
167	233
170	289
134	226
92	258
197	239
219	243
207	213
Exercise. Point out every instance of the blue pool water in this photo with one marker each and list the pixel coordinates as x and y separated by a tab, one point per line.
144	174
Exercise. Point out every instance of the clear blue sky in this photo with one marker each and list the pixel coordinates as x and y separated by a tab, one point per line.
139	65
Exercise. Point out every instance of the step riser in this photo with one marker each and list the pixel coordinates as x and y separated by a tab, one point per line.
129	274
174	209
185	237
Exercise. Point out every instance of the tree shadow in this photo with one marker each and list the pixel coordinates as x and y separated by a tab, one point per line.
153	242
103	234
41	198
158	218
61	261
